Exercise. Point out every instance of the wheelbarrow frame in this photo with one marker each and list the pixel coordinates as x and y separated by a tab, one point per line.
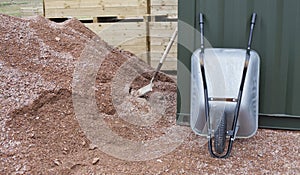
233	131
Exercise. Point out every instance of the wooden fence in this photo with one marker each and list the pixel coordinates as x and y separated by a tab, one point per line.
142	27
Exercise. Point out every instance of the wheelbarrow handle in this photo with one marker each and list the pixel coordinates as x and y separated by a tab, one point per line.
201	23
252	24
253	18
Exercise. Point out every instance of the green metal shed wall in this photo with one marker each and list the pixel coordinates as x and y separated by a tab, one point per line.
276	39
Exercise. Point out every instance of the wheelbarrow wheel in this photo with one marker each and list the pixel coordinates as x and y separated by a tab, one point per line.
220	135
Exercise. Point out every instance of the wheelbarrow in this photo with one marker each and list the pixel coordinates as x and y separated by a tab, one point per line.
224	93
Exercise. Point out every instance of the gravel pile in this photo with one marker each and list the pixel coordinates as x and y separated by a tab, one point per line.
66	108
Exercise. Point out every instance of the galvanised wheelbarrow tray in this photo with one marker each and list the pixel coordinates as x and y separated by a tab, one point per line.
224	94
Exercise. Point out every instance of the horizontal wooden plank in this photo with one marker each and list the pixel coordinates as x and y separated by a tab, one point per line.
164	2
157	29
164	7
159	50
170	10
117	26
138	48
94	8
21	8
30	12
157	55
166	66
94	12
164	40
120	33
92	3
163	25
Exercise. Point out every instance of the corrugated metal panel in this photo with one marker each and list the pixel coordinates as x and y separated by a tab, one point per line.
276	39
